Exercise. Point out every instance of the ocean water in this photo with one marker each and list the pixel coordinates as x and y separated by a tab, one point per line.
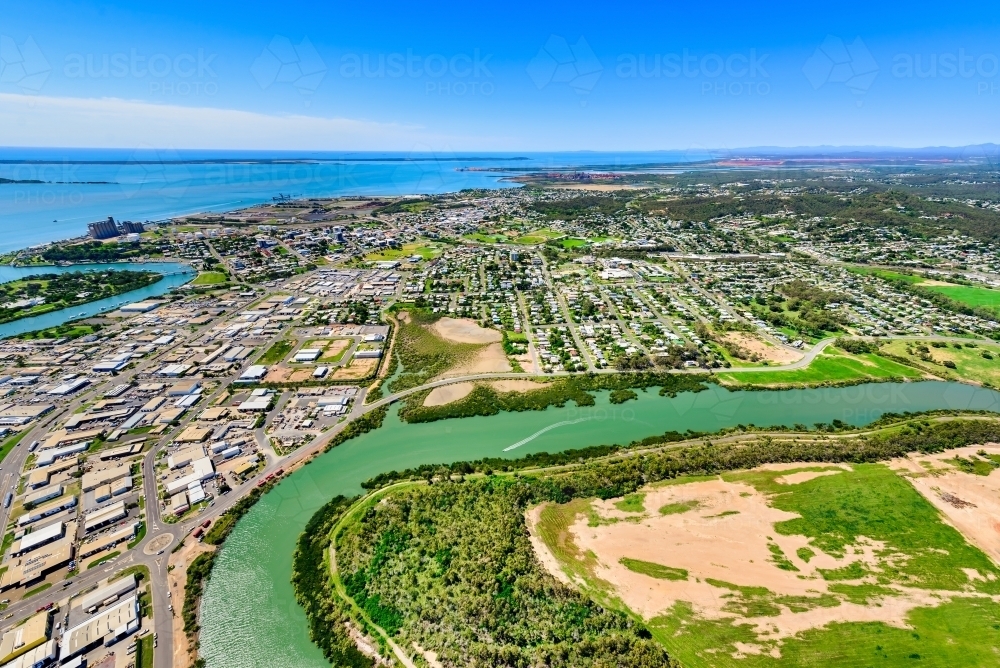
79	186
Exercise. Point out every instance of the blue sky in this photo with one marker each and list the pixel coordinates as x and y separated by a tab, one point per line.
498	76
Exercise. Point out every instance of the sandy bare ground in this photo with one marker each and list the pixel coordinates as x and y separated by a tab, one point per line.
464	330
446	394
183	653
549	562
768	353
733	548
490	359
334	348
516	385
797	466
429	656
358	368
282	374
971	503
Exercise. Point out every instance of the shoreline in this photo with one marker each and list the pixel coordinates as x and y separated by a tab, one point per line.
112	303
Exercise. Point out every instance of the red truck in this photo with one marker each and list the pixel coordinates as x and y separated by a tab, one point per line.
204	525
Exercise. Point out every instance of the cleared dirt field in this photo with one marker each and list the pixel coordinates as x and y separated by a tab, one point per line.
970	502
334	349
515	385
789	560
489	359
768	353
283	374
358	368
464	330
446	394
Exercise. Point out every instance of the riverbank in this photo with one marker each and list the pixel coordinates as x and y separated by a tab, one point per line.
43	293
373	591
249	612
175	274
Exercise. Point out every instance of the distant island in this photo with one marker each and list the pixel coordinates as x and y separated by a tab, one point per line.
43	293
63	183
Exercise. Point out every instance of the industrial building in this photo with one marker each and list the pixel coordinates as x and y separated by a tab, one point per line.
105	628
103	229
24	638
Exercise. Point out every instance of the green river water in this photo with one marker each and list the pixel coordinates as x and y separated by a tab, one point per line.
249	615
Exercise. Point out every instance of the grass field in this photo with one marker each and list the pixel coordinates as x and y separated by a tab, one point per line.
330	353
553	523
919	551
538	236
964	294
486	238
943	637
574	243
277	352
633	503
969	295
915	551
970	364
423	249
832	365
209	278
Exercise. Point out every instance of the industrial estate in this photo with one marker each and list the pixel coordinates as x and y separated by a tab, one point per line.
137	437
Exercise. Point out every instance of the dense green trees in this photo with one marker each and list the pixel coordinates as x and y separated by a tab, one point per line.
450	568
484	400
577	207
197	572
95	251
326	613
69	289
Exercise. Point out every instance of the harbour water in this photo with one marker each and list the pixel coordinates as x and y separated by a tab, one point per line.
79	186
174	275
249	615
